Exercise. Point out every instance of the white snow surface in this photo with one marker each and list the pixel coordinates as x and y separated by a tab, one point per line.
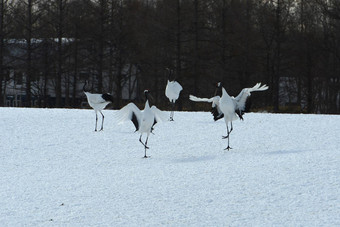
283	170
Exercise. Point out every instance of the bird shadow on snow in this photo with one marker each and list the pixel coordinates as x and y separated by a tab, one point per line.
279	152
194	159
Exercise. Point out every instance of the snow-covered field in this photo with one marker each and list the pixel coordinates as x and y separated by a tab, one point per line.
283	170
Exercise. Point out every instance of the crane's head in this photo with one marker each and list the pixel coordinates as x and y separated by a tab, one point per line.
218	84
146	93
84	87
170	73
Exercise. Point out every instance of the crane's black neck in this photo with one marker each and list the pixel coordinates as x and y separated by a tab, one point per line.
146	93
218	86
170	73
84	87
215	93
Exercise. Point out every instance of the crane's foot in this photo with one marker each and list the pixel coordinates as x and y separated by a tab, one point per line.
228	148
146	156
171	119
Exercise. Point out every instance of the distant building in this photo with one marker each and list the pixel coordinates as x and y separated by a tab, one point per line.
42	92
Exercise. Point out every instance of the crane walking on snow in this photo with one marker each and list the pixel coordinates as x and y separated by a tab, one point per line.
233	108
143	120
98	102
172	90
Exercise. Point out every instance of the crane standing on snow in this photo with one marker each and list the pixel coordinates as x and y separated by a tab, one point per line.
98	102
233	108
172	90
143	120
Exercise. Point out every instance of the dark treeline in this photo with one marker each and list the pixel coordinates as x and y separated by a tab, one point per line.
291	45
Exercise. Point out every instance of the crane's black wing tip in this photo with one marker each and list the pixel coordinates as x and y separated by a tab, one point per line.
247	105
108	97
217	115
239	114
135	120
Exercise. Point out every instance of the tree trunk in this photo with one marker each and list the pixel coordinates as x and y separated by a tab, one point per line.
245	69
178	48
60	53
75	76
46	72
223	39
310	99
2	46
278	30
196	47
119	78
29	54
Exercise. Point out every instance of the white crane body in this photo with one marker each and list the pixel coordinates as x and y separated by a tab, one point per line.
172	91
233	108
143	120
98	102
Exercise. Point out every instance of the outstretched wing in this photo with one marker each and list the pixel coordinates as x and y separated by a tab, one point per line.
197	99
159	115
215	100
130	112
215	109
241	103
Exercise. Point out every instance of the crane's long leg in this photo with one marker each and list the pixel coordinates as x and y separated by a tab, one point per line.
146	142
95	129
140	140
102	120
228	148
228	132
172	111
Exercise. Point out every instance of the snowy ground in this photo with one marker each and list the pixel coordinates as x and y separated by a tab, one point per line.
283	170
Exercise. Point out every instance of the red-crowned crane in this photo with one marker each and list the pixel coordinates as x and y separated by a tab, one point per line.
143	120
98	102
172	91
233	108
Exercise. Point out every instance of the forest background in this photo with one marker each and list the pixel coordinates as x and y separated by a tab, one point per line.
291	45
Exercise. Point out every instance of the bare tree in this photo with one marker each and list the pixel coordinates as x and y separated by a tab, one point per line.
4	5
61	4
26	16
